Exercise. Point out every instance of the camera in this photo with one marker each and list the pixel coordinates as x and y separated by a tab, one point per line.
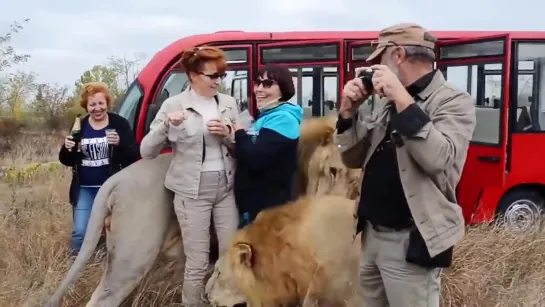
366	76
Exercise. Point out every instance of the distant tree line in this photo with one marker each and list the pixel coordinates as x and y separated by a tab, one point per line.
26	103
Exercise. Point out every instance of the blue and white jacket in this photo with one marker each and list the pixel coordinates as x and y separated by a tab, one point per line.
267	160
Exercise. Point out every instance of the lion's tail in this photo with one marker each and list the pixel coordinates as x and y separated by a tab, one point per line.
92	236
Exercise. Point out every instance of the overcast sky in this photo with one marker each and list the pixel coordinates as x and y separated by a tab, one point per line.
67	37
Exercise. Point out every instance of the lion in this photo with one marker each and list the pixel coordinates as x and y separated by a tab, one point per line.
136	210
321	170
303	253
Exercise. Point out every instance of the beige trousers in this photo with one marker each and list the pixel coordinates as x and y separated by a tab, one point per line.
387	280
194	216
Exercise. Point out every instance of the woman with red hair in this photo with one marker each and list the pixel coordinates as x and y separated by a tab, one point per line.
201	174
107	145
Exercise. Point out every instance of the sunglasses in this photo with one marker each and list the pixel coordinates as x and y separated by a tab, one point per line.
266	83
214	76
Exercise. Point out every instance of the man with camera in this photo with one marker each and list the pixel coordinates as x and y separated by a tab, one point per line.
411	152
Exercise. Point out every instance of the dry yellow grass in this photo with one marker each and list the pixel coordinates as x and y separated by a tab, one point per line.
493	267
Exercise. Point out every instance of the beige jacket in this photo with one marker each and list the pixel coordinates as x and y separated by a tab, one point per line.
430	163
183	176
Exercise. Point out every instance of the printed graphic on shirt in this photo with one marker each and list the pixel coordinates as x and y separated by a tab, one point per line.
95	152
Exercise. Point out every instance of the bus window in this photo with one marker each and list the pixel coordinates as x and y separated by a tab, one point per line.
458	76
361	52
330	94
316	83
470	50
130	103
357	53
308	53
530	86
492	84
484	83
176	83
314	65
235	56
234	84
302	81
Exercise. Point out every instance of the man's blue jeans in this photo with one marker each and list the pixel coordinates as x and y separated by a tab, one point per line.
82	212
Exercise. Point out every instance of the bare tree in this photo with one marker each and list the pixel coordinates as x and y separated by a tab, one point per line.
17	90
51	100
100	73
8	55
126	69
10	91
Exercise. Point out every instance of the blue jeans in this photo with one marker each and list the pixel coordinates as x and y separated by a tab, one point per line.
82	212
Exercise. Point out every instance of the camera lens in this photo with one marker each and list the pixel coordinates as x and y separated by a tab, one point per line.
366	77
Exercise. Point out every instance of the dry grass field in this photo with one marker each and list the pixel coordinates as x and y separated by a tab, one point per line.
493	267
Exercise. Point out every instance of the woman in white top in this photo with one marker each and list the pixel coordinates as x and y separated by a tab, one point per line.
202	170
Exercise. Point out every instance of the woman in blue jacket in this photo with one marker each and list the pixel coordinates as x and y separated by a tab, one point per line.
267	153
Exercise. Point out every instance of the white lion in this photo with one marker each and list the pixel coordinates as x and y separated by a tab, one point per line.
137	211
139	217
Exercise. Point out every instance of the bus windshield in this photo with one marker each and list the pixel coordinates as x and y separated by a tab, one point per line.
129	105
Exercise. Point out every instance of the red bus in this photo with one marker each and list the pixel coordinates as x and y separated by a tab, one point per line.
503	71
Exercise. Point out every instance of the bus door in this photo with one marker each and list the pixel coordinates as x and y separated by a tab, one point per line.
236	83
316	67
481	66
357	53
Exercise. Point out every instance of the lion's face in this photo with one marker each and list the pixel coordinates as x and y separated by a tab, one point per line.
329	176
221	289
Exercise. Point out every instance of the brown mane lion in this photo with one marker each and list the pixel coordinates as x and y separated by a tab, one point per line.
303	253
321	171
136	210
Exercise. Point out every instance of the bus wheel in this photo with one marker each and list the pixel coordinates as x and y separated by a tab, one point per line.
521	209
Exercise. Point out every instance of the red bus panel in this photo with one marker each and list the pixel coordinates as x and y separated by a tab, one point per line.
485	63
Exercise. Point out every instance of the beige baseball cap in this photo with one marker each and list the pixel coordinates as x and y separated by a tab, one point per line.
402	34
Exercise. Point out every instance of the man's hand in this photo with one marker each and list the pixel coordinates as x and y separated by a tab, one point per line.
387	84
354	94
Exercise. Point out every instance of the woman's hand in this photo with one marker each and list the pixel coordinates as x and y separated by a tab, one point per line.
177	117
68	143
217	127
112	137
